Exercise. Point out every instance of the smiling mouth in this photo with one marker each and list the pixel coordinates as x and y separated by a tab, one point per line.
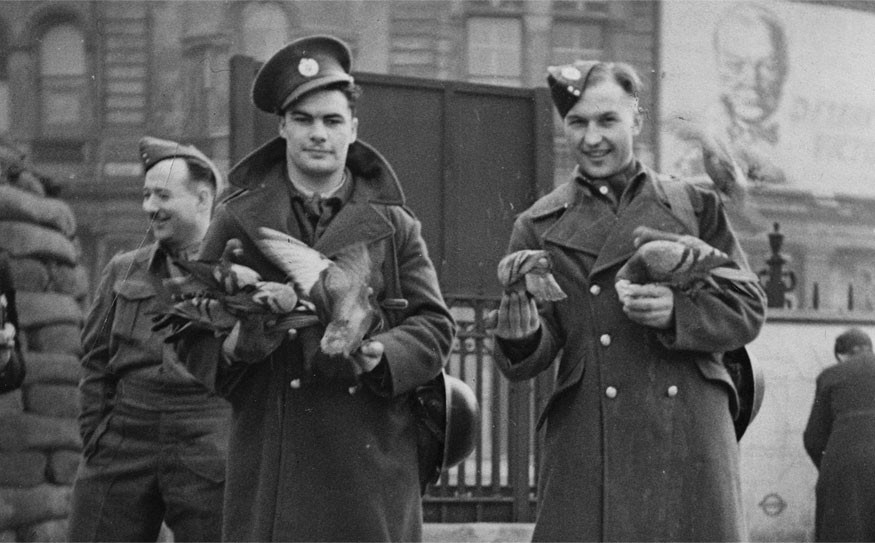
596	154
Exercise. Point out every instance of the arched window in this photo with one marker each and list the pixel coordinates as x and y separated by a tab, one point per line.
63	84
265	30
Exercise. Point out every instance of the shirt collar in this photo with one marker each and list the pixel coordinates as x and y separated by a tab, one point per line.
162	253
629	178
339	191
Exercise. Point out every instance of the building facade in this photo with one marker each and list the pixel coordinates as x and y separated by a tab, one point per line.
81	81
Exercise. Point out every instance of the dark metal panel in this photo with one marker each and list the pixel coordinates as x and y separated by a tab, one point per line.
405	123
493	179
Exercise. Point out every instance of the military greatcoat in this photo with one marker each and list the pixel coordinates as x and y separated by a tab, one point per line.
639	436
316	458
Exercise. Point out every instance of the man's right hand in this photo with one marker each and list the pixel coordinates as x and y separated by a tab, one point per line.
250	340
517	316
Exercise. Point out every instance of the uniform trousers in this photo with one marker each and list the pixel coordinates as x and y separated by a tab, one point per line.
145	466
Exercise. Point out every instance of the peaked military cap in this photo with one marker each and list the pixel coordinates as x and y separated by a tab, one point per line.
153	150
567	83
304	65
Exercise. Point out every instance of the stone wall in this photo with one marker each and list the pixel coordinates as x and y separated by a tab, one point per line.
39	438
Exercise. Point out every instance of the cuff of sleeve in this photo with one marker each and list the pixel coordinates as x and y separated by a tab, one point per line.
519	349
379	379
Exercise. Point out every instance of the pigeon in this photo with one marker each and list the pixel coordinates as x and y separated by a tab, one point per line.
337	288
681	261
215	295
527	271
530	271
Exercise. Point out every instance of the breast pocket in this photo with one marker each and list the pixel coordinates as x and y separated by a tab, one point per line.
135	307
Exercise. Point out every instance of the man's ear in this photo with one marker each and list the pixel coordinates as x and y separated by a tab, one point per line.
637	122
205	197
355	128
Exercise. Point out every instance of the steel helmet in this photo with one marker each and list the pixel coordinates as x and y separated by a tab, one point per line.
462	415
447	412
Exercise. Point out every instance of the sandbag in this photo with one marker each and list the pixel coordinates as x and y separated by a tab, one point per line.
17	204
24	239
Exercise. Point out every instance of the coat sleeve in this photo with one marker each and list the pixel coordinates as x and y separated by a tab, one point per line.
549	340
95	381
419	345
819	424
725	315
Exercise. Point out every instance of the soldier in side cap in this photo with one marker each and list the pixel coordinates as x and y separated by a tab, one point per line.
323	448
154	437
840	439
640	443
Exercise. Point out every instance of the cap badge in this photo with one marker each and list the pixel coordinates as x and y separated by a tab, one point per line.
308	67
570	73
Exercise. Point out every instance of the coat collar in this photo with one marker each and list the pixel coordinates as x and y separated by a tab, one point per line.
376	180
264	200
589	226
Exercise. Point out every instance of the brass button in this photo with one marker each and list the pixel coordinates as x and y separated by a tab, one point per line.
605	339
594	290
603	189
295	383
611	392
672	391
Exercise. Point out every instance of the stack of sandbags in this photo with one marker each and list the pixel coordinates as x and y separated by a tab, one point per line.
39	438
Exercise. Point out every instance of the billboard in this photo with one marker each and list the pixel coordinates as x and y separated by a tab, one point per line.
791	86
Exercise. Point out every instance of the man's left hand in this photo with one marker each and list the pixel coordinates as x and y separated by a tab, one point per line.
368	356
649	305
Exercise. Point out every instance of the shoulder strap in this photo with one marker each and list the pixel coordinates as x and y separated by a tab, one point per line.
675	194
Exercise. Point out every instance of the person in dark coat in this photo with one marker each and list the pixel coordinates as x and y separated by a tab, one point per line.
840	439
12	368
154	437
639	442
323	448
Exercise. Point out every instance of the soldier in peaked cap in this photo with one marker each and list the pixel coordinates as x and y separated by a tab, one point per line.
154	436
640	443
323	448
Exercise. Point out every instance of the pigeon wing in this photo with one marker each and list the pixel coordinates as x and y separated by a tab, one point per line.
302	264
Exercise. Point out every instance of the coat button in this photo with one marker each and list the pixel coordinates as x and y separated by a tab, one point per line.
594	290
605	339
611	392
295	383
672	391
603	189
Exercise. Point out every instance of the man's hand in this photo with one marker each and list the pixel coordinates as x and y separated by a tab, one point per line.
7	344
649	305
250	341
517	316
368	356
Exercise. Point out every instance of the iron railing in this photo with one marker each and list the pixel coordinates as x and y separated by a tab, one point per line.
497	483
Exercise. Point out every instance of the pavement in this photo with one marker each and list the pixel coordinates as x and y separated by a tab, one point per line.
477	532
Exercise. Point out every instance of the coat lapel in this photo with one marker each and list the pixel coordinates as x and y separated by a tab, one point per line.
582	228
588	226
356	222
645	210
258	207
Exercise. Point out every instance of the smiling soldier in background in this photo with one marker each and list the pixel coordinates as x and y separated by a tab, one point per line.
154	437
